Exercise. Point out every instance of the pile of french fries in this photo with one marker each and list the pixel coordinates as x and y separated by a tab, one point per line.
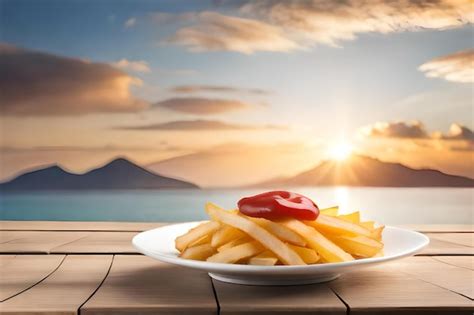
233	238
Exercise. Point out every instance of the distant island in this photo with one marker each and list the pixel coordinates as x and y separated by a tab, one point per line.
356	171
364	171
118	174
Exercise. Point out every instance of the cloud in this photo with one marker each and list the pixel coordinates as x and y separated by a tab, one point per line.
457	67
188	89
456	132
136	66
203	125
130	22
412	130
178	72
416	130
201	106
216	32
36	83
286	25
467	147
66	148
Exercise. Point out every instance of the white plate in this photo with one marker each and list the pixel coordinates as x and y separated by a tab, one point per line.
159	244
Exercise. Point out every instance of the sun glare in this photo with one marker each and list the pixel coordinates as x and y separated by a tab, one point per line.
340	151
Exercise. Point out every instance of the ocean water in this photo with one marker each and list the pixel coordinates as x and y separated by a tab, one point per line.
387	205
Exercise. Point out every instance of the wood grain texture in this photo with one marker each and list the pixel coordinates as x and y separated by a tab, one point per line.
459	261
140	285
78	226
39	242
100	243
307	299
25	272
8	236
440	228
464	239
456	279
439	247
6	259
64	291
376	291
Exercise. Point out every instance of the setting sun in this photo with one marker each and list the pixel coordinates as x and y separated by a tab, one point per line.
340	151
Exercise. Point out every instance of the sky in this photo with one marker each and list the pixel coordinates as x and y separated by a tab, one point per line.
208	91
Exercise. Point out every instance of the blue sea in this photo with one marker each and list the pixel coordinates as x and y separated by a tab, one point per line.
387	205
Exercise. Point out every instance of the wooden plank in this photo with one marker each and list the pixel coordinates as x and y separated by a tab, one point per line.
379	290
100	243
306	299
78	226
453	278
440	228
139	285
64	291
6	259
438	247
39	242
8	236
25	272
459	261
464	239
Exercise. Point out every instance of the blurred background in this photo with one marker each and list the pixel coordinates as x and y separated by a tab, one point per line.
145	110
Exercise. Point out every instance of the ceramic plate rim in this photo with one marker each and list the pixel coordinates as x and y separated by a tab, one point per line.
220	267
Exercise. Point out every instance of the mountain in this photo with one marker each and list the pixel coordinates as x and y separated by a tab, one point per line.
365	171
236	164
118	174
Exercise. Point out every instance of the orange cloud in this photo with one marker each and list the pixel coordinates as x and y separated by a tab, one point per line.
459	138
415	130
36	83
136	66
286	25
457	67
188	89
200	124
201	106
400	129
456	132
216	32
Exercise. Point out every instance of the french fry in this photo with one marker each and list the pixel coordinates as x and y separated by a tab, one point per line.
361	246
334	225
268	240
232	237
225	234
266	258
379	254
280	231
234	254
199	252
353	217
203	240
238	241
308	255
193	235
369	225
329	251
333	211
376	233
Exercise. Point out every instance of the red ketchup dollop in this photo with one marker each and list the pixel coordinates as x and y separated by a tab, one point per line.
275	205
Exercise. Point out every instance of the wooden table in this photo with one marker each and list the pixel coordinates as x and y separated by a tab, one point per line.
91	268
